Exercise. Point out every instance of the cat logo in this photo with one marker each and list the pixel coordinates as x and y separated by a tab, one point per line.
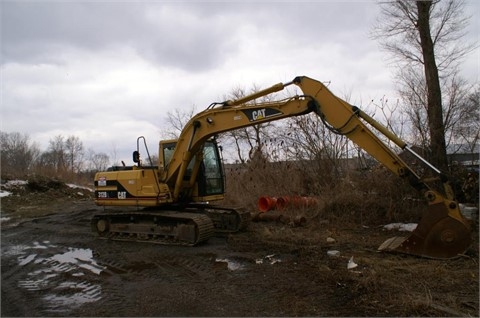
258	114
261	113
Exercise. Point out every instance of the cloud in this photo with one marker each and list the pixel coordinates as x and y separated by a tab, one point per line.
109	72
44	26
165	34
188	35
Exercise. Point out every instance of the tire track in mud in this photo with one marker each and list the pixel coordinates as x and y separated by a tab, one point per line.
143	279
53	278
43	272
189	283
34	268
56	264
128	275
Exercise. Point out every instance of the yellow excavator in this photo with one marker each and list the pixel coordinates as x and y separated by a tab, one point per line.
168	203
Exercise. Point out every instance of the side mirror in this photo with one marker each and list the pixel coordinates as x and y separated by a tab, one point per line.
136	157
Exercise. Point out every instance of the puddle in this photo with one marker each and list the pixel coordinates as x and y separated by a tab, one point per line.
18	250
59	276
25	260
81	258
37	245
240	263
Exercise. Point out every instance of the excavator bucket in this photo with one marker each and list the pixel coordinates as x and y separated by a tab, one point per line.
442	233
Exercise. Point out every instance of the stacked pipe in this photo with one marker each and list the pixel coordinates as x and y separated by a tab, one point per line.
275	217
267	203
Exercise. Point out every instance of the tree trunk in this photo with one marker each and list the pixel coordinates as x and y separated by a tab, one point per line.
434	96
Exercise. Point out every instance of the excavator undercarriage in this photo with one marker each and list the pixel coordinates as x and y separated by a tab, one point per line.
180	225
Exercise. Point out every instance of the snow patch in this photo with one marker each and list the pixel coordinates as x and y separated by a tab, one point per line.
4	219
21	183
15	183
404	227
74	186
11	184
232	265
351	264
269	259
4	193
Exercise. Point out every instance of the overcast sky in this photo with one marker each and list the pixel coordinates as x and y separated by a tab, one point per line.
108	71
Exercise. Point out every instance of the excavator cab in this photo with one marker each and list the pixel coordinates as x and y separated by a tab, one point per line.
204	177
211	177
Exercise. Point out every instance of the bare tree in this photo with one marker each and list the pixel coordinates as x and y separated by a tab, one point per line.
425	40
64	157
98	161
176	121
114	153
55	155
18	154
467	132
390	115
74	153
412	89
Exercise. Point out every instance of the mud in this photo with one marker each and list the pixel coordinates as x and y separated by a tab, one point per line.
52	265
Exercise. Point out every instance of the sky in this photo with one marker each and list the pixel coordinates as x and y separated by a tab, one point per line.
109	71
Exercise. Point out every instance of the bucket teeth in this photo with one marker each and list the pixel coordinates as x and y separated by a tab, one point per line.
392	243
438	235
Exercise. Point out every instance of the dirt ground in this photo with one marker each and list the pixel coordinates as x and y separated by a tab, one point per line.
52	265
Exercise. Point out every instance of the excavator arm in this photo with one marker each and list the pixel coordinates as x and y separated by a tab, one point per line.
442	232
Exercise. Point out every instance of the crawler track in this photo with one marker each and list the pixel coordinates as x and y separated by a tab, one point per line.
160	227
225	219
179	225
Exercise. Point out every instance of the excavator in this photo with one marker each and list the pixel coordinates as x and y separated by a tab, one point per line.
169	203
